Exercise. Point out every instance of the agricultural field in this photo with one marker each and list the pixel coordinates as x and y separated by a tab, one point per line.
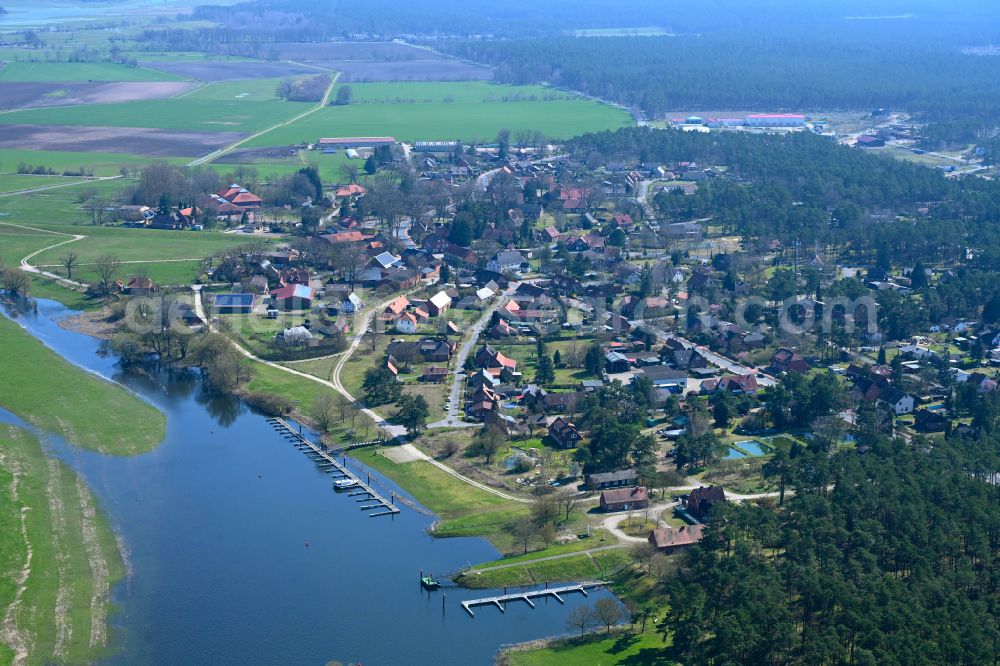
429	117
407	70
204	115
131	140
393	51
79	71
228	70
36	94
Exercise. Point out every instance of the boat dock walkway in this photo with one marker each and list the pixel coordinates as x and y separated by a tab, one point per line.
363	493
527	596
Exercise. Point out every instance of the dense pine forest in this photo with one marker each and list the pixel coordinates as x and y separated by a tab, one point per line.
772	73
885	558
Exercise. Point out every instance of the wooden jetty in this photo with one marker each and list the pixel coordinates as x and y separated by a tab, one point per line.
372	500
527	596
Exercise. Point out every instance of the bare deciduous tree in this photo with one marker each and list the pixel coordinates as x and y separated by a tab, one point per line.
324	411
69	260
107	268
524	532
580	618
609	612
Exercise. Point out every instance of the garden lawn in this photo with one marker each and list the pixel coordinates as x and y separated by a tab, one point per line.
53	517
85	409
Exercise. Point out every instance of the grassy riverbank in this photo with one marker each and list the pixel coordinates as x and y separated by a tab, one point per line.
58	558
621	646
58	397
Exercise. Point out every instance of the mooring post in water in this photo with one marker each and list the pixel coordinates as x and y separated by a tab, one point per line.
442	603
369	478
344	461
392	498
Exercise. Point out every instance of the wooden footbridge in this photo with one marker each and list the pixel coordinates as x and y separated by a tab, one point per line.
366	496
527	596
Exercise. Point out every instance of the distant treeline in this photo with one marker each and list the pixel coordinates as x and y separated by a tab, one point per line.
663	74
802	187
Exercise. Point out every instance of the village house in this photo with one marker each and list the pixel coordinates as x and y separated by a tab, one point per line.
672	539
624	499
406	323
506	261
700	501
564	433
786	360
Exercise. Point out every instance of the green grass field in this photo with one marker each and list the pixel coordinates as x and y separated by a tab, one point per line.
185	113
89	411
440	121
101	164
79	71
149	245
600	649
245	90
61	616
14	182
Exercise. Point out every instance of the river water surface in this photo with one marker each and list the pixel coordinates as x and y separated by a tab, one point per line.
215	524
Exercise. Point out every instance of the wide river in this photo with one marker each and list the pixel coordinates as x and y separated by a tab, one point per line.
215	523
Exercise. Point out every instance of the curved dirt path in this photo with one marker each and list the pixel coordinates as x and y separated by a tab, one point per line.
26	265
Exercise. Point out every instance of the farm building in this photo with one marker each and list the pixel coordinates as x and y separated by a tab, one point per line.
233	303
664	377
616	479
870	142
435	146
775	120
356	142
292	297
240	196
351	304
